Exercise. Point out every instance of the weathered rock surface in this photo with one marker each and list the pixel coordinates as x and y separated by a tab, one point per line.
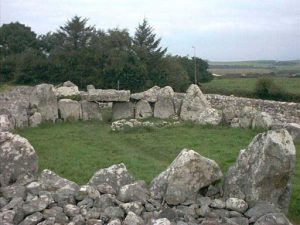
127	124
116	176
150	95
90	110
17	158
108	95
178	99
263	170
196	108
164	106
273	219
44	100
69	110
5	123
186	175
122	110
292	128
137	191
143	109
68	89
35	119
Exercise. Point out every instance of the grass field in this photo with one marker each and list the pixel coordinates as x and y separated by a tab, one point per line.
77	150
232	85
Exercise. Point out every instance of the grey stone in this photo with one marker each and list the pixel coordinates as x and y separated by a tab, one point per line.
32	219
134	192
87	191
13	191
90	87
150	95
35	119
263	170
67	90
78	220
116	176
135	207
64	196
35	205
108	95
260	209
106	189
51	181
133	219
34	188
238	221
122	110
94	222
44	100
69	110
90	110
17	158
218	204
104	201
236	204
164	106
178	99
262	120
5	123
197	109
114	213
186	175
71	210
114	222
143	110
162	221
273	219
169	214
292	128
57	213
69	84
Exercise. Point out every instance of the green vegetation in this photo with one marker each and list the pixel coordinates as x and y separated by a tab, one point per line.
245	87
77	150
84	55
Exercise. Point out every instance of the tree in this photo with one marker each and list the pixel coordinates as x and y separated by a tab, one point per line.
15	38
147	48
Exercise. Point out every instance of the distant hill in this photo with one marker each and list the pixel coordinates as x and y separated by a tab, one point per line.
255	68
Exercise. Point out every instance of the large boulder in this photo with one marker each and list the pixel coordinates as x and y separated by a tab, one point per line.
68	90
263	170
116	176
196	108
122	110
150	95
143	109
292	128
186	175
43	99
90	110
35	119
5	123
108	95
69	110
164	106
17	158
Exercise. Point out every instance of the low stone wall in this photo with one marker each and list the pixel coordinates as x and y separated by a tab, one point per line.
284	112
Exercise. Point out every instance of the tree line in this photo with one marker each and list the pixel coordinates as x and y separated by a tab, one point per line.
85	55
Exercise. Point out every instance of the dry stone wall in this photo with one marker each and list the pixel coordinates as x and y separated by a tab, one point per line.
188	192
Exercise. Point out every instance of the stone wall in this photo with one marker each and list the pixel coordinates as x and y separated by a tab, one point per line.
288	112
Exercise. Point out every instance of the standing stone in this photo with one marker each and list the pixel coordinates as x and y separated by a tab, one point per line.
186	175
90	110
44	100
196	108
164	106
150	95
17	158
263	171
116	176
122	110
143	109
69	110
35	119
5	123
292	128
178	99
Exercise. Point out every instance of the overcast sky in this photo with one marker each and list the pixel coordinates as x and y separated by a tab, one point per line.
219	29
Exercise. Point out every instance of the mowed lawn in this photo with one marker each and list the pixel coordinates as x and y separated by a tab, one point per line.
77	150
291	85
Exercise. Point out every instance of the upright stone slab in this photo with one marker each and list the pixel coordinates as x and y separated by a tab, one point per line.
5	123
90	110
186	175
143	109
178	99
44	100
197	109
263	170
108	95
122	110
17	158
164	106
69	110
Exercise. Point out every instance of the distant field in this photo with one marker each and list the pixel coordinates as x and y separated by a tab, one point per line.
241	71
233	85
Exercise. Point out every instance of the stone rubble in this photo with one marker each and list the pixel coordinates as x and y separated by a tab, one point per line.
188	192
124	124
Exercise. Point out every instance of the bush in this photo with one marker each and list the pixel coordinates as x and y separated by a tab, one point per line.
265	88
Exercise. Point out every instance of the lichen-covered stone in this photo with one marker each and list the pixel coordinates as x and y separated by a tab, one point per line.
122	110
90	110
69	110
108	95
164	106
143	109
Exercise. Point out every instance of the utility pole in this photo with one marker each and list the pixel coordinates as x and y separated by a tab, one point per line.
195	67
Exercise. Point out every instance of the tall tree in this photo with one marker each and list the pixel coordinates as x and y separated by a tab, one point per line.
148	50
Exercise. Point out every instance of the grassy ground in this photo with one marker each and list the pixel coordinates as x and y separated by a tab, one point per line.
234	85
77	150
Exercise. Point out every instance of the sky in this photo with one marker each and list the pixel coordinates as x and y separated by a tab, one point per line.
220	30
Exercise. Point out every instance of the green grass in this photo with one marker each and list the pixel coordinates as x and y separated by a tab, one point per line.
77	150
4	87
233	85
